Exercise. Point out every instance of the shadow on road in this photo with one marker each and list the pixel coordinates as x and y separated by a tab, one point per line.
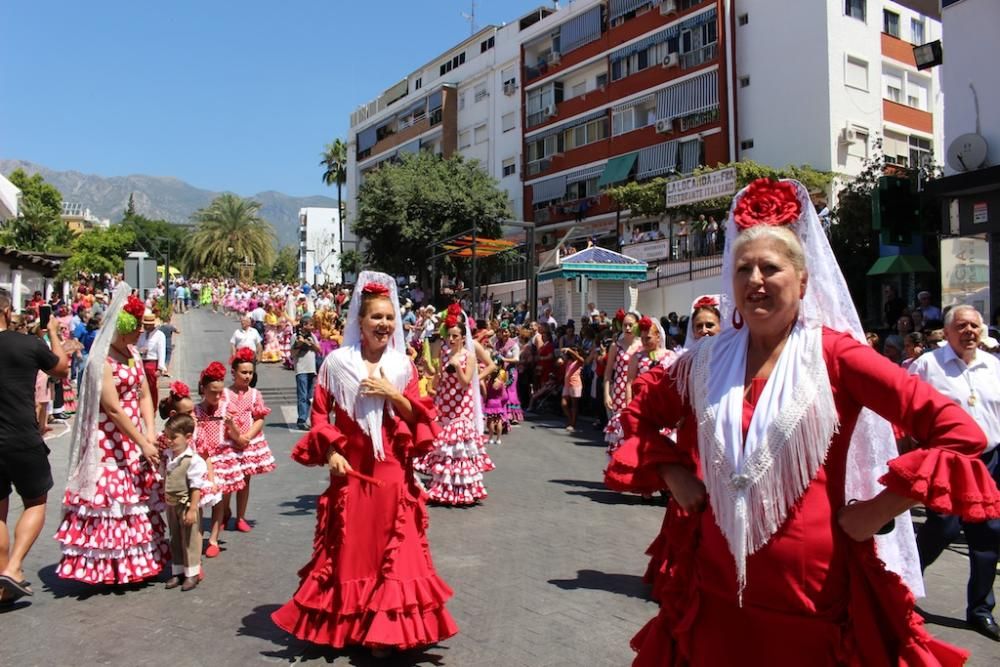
623	584
582	483
606	497
943	621
301	506
68	588
259	624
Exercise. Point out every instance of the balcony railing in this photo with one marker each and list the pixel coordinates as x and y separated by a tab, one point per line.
537	167
699	56
408	122
537	118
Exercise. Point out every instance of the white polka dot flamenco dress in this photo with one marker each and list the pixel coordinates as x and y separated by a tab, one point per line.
459	459
118	536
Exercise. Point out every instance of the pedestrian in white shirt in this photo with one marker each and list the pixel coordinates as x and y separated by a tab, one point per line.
246	337
152	347
970	377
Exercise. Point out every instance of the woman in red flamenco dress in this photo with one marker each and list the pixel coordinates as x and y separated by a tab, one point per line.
768	560
371	580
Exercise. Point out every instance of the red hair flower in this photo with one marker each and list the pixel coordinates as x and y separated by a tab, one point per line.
375	289
705	302
645	323
180	390
244	355
454	309
450	321
620	315
768	202
135	307
214	372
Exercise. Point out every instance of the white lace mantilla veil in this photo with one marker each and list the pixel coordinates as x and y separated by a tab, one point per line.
85	453
828	302
477	395
344	368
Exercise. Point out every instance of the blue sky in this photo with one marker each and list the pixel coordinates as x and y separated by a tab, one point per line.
224	94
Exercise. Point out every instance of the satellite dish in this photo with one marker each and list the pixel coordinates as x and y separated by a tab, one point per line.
967	152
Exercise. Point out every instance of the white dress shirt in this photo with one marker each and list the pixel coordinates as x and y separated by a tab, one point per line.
153	347
946	372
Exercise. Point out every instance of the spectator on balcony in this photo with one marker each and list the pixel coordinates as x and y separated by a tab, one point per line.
635	235
682	239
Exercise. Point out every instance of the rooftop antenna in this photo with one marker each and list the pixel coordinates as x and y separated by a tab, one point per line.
471	18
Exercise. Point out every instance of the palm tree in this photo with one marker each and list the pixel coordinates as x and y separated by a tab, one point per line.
335	161
229	230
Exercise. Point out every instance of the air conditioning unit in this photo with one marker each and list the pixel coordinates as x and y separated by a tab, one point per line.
554	59
509	88
848	135
549	111
673	59
665	125
668	7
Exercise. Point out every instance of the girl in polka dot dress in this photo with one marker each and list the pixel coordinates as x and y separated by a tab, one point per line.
244	431
210	442
458	461
616	376
112	530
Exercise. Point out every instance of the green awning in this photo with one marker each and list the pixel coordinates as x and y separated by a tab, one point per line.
900	264
617	170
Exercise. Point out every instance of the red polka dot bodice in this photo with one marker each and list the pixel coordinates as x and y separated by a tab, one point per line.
451	400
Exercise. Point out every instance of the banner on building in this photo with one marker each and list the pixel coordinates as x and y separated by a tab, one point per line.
650	251
721	183
965	272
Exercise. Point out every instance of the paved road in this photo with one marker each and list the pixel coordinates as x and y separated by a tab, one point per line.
546	572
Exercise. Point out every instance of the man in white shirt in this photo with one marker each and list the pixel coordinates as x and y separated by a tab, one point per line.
246	337
548	319
152	347
972	379
257	316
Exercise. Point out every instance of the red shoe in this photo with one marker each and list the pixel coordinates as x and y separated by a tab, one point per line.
243	526
212	551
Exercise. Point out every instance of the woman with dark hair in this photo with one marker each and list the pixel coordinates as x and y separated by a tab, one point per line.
371	581
459	459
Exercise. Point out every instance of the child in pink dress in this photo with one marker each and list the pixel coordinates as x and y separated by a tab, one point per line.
495	405
572	386
244	431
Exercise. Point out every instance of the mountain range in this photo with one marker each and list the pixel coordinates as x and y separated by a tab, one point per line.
163	197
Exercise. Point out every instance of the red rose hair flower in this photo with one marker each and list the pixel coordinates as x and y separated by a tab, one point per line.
454	309
135	307
450	321
620	315
244	355
214	372
768	202
705	302
645	323
375	289
179	390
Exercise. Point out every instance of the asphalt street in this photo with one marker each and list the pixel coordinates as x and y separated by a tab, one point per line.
546	572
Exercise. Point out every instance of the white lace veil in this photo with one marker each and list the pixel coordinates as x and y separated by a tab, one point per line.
828	303
85	453
477	395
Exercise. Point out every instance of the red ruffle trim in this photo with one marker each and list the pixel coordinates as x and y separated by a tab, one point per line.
633	465
946	482
402	630
312	448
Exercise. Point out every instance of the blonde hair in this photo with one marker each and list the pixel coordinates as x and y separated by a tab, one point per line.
783	235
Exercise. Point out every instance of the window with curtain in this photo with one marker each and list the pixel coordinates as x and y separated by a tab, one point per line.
916	31
855	9
890	23
507	122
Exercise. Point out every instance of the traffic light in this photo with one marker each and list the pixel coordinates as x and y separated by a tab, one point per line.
895	210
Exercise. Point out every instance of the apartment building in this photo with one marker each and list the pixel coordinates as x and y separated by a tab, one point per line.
617	91
320	245
466	101
837	76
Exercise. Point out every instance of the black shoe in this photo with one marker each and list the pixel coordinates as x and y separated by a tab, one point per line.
986	626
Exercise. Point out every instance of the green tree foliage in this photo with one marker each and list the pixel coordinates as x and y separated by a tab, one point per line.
229	231
159	238
404	208
351	262
99	251
286	265
35	190
130	208
38	226
334	162
648	199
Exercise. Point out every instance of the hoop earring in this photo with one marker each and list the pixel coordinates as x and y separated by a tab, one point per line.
737	325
